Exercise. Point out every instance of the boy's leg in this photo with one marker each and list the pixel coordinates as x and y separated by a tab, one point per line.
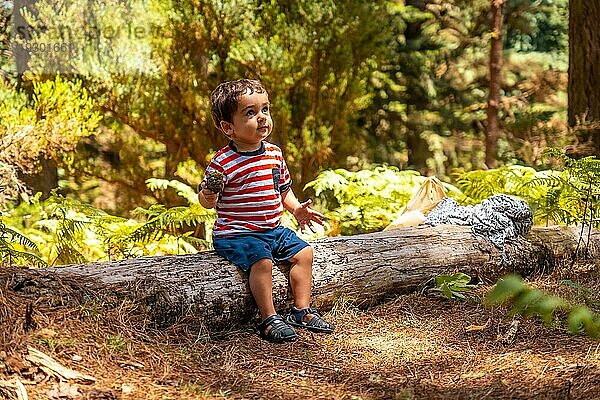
301	277
261	286
302	314
251	252
272	328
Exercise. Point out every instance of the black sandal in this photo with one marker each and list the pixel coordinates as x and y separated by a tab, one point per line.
315	324
280	331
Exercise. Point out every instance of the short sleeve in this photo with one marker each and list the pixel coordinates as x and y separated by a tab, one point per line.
285	179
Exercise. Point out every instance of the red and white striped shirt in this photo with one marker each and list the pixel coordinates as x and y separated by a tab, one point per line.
254	183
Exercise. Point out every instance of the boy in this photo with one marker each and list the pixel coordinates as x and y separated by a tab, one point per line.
257	187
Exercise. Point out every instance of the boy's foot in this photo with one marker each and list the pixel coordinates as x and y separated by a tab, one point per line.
275	330
308	318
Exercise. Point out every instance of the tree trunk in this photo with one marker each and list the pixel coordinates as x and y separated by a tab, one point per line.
21	30
417	146
418	151
491	136
584	74
362	269
44	180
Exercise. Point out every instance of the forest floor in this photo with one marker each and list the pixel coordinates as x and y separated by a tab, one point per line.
413	346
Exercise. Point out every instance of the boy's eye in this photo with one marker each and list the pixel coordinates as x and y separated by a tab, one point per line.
250	113
265	110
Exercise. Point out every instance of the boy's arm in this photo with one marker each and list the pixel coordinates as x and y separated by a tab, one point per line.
301	211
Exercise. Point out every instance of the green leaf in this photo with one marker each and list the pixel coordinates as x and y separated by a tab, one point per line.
507	288
446	291
580	320
546	307
525	302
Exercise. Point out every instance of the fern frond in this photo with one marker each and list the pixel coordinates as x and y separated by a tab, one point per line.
183	190
366	200
8	238
68	254
19	237
197	242
70	227
169	221
10	255
328	180
152	212
157	183
153	229
62	207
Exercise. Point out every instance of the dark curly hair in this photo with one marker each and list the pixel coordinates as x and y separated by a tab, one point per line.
224	99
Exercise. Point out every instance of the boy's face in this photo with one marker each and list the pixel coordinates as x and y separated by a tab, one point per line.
251	122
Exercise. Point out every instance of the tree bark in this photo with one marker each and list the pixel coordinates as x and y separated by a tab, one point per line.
362	269
21	30
491	136
416	145
43	180
584	74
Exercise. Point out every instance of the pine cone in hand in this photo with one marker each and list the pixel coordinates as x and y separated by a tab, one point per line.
215	181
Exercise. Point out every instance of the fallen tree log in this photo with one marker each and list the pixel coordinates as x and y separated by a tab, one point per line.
362	269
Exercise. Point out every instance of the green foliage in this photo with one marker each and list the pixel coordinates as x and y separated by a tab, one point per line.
60	114
365	200
68	231
569	194
346	92
173	221
527	301
116	343
48	126
71	219
183	190
582	320
523	299
579	185
315	64
536	25
478	185
453	286
430	92
11	241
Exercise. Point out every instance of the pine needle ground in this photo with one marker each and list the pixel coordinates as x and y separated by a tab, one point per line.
413	346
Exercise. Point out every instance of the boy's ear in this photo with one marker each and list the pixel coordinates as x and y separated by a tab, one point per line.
226	127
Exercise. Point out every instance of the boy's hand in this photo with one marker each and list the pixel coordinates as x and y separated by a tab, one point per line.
306	216
207	198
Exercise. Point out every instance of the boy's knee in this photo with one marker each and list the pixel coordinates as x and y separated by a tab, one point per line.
304	255
263	264
309	251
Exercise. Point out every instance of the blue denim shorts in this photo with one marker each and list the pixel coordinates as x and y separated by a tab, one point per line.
244	249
